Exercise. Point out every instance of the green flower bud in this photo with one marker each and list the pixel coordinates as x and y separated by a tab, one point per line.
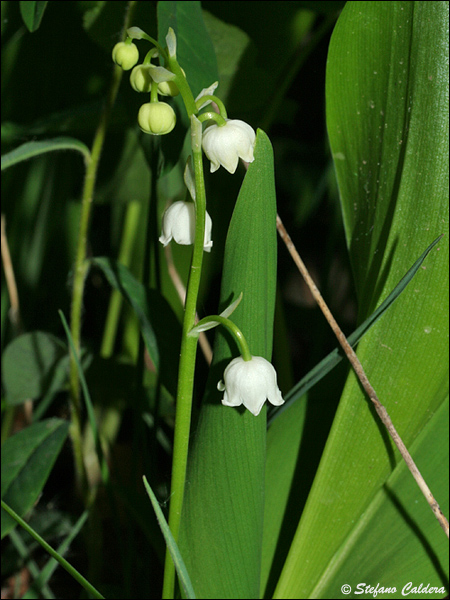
125	55
156	118
168	88
140	78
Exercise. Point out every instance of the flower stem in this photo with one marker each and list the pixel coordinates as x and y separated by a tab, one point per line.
232	327
187	362
81	267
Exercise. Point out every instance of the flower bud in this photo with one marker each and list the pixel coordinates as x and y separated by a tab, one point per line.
140	78
168	88
125	55
156	118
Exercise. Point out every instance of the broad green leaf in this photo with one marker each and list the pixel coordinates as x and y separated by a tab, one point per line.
32	149
230	44
27	460
159	326
195	51
387	106
32	13
171	544
387	523
32	365
221	529
195	54
283	441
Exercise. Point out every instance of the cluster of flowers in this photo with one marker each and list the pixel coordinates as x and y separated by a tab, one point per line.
248	380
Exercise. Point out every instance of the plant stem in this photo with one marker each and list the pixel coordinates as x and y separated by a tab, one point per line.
187	362
133	213
360	373
80	268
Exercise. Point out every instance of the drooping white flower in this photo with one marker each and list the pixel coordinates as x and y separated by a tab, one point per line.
179	224
226	144
250	383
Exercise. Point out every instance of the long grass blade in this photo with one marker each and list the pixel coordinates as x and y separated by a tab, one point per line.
335	357
62	561
171	544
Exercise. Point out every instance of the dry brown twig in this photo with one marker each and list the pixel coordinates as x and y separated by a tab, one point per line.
360	373
14	311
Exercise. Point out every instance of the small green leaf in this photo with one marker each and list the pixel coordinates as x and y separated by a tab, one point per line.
32	365
27	460
36	148
32	13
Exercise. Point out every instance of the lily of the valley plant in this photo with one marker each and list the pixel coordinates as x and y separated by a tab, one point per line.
248	380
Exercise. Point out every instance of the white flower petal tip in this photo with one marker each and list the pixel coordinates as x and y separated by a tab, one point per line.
171	41
225	145
179	225
250	383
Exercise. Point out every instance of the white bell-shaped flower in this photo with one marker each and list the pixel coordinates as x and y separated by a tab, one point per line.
250	383
179	224
226	144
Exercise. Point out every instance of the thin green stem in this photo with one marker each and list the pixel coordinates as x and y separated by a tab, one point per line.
187	362
201	101
183	87
81	267
132	216
212	116
232	327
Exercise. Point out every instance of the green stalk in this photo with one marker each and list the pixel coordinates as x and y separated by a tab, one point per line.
232	328
132	216
187	362
80	268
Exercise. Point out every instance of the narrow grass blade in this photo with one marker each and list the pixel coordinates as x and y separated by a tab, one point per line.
42	579
335	357
171	544
159	326
36	148
89	406
62	561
